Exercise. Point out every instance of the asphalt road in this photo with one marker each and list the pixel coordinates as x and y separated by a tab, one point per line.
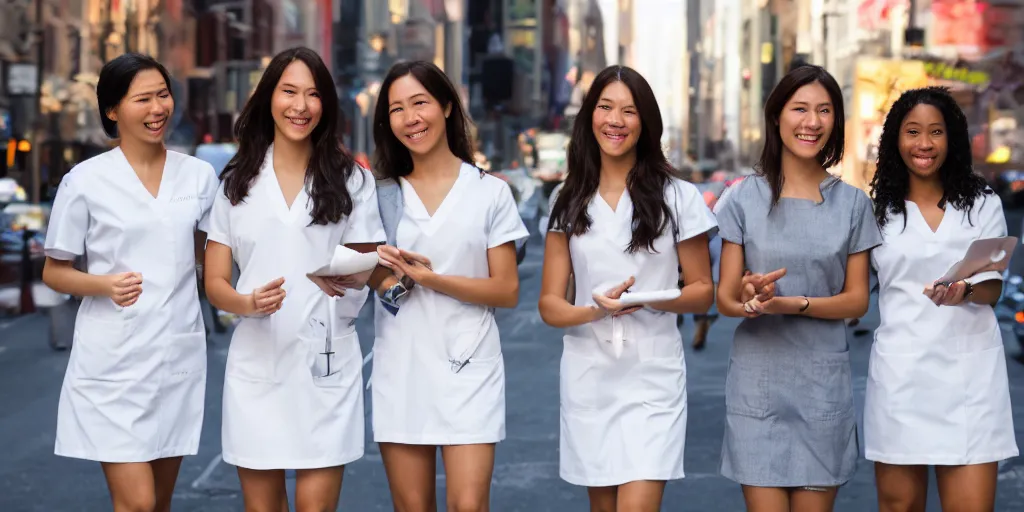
526	472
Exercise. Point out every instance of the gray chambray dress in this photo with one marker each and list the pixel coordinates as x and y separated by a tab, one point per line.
788	394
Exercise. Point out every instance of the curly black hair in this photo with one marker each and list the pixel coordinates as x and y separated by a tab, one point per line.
960	184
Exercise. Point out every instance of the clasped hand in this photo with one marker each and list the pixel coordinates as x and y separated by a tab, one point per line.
943	294
405	263
757	292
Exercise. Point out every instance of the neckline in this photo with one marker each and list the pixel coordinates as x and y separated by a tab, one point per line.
161	190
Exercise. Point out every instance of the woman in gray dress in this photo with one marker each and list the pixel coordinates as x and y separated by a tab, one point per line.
804	236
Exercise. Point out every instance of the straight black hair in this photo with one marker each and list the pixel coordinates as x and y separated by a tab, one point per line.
770	164
116	78
392	158
330	166
646	181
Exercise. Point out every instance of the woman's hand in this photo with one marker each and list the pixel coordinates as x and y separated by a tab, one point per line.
336	285
609	302
404	263
267	299
943	295
125	288
758	290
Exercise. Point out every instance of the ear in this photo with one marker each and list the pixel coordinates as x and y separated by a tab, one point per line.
112	115
447	110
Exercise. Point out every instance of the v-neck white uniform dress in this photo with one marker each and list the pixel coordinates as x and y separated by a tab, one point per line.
293	386
623	418
937	390
136	381
423	394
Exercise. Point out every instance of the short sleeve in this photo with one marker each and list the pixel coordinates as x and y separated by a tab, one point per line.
69	220
505	224
729	215
209	183
692	215
551	207
992	221
864	232
364	224
219	223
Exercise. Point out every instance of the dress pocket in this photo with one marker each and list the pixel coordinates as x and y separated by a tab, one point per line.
746	388
186	355
579	375
106	350
661	372
330	360
824	385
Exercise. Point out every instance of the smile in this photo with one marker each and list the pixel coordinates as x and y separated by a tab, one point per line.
811	139
156	125
923	161
615	137
417	136
298	121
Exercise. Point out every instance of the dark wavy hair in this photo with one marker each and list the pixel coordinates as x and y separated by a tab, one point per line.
770	164
645	182
116	78
960	184
391	157
330	165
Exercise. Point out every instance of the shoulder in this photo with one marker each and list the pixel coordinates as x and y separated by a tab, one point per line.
680	186
86	170
361	181
846	194
191	164
988	201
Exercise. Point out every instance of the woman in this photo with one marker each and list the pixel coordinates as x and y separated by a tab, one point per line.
937	392
134	390
438	372
622	221
790	429
290	196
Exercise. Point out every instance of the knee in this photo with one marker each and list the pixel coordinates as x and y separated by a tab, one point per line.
900	501
137	503
467	502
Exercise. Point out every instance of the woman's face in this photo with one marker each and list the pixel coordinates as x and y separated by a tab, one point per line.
806	121
295	104
417	118
923	142
143	113
616	121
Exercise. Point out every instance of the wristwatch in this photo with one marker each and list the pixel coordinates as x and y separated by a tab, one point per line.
968	289
392	297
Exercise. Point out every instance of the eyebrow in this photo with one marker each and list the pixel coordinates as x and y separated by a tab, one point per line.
293	86
610	101
826	104
414	96
147	93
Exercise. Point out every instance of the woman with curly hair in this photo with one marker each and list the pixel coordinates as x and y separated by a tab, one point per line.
937	392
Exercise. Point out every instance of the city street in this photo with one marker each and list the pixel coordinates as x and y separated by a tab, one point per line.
526	473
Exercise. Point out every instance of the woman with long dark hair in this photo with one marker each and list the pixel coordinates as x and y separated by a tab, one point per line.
134	392
937	392
291	195
790	428
438	371
622	222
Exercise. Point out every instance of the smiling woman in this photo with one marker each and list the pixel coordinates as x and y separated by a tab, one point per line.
134	391
290	197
